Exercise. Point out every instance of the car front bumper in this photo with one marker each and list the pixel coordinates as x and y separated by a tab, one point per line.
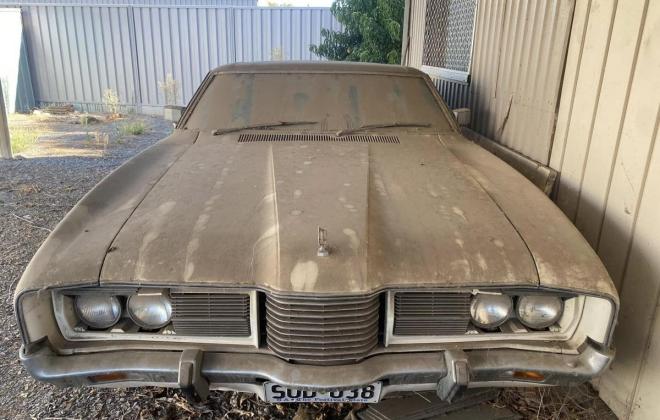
194	370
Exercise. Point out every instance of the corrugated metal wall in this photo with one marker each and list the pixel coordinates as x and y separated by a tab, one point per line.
417	23
517	64
606	149
76	52
242	3
24	94
14	69
266	33
456	94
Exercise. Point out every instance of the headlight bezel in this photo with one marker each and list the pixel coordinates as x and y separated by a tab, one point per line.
127	331
569	329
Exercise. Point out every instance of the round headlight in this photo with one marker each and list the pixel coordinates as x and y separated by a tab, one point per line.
150	311
490	311
98	311
540	311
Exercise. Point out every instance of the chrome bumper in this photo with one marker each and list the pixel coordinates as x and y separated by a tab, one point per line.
441	371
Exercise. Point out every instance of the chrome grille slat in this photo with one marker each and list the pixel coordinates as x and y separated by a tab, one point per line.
211	314
311	137
333	330
431	313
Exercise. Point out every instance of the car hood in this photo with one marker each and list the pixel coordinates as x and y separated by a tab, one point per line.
230	213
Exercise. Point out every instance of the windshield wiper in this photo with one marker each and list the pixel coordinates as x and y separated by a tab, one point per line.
261	126
385	125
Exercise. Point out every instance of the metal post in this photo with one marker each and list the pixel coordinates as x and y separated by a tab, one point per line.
5	143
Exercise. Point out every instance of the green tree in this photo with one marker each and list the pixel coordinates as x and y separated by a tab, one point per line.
372	32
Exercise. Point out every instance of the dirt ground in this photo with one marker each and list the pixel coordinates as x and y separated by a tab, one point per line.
39	187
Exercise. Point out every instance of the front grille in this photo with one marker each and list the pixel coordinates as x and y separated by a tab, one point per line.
431	313
350	138
211	314
322	331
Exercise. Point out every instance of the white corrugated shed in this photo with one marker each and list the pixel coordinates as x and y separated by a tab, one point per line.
517	63
415	38
606	149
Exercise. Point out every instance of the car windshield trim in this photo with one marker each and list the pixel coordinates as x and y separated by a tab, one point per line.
382	125
261	126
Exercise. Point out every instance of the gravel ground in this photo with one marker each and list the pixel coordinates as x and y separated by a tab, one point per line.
37	190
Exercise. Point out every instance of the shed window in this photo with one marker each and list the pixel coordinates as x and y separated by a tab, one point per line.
448	34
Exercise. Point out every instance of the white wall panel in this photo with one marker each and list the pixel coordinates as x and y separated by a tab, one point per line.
517	64
605	148
416	26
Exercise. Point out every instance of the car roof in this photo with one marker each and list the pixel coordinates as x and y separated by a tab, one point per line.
317	67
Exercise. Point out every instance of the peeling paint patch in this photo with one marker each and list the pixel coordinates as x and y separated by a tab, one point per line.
482	262
498	243
462	265
354	241
268	199
270	232
297	194
431	190
158	220
304	276
457	211
380	185
193	245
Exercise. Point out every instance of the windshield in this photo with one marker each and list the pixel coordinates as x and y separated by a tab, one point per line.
333	101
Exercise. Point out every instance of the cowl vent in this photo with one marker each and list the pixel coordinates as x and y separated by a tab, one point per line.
302	137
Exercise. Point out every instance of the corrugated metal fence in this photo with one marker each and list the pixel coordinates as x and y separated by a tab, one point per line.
77	52
243	3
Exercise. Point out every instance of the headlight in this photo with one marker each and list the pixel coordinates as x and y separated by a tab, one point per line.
540	311
490	311
150	311
98	311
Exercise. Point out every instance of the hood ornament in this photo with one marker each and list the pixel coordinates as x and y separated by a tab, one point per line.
323	250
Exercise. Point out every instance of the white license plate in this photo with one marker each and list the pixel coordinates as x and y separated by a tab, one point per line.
281	394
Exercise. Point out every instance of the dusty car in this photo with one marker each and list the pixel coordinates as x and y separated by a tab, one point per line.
316	232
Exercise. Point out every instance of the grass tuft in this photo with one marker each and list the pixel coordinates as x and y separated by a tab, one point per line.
134	128
22	138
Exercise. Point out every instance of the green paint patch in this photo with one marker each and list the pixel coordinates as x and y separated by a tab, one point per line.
300	99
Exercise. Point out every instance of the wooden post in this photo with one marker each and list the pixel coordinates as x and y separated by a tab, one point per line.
5	143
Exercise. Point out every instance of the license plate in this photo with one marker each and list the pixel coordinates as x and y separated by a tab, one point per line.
281	394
